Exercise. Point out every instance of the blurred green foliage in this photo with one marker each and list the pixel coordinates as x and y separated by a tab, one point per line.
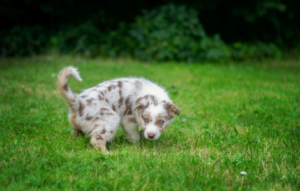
258	50
168	32
83	39
24	41
174	33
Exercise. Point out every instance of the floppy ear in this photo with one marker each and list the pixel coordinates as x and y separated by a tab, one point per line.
139	106
171	109
140	103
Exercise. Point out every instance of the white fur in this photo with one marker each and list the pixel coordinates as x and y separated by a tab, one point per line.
99	110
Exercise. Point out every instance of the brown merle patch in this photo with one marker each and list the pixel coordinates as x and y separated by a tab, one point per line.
81	108
107	100
84	96
103	131
88	118
111	131
100	98
131	120
139	104
152	99
128	107
101	93
120	94
98	137
113	107
89	101
138	85
105	111
139	100
111	87
120	84
120	102
66	87
148	99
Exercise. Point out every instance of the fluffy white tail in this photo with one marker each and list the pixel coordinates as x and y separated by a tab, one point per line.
63	87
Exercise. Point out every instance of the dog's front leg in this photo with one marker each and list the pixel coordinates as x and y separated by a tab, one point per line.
131	130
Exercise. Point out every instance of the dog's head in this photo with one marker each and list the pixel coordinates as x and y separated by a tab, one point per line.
154	116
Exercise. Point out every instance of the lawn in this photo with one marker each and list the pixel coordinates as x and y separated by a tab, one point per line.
234	117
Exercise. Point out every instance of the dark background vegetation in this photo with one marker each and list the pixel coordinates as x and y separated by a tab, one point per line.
224	28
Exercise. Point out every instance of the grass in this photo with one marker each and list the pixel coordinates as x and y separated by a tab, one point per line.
234	117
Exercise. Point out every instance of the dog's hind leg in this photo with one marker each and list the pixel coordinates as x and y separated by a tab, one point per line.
104	128
76	127
76	133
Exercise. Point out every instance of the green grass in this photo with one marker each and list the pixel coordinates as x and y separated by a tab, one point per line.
234	117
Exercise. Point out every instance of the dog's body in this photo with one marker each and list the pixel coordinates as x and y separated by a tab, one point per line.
98	111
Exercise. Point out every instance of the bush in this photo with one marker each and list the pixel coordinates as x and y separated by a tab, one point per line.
84	39
258	50
24	41
170	32
118	43
174	33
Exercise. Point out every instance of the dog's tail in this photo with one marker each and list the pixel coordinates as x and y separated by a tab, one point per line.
63	87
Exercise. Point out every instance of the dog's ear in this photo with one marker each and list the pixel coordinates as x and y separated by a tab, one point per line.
140	103
171	109
139	106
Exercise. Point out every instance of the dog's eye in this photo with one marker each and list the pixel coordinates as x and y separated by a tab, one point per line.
160	122
146	120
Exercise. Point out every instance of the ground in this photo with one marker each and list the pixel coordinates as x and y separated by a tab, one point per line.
234	117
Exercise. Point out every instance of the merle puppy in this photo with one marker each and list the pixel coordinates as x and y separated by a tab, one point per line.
99	110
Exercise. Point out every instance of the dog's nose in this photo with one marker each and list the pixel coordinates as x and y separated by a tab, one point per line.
151	135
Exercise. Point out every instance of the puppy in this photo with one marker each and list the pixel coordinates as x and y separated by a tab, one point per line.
98	111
